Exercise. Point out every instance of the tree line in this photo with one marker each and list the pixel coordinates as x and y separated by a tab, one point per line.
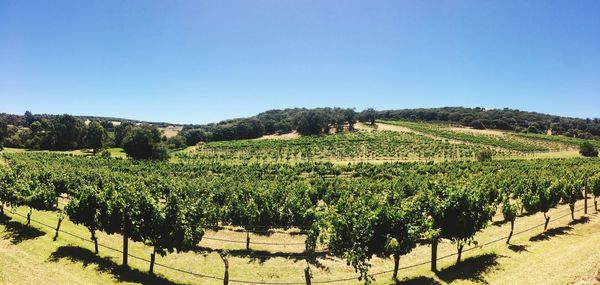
305	121
66	132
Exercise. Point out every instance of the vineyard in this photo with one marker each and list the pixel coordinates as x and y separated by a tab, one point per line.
355	222
417	142
358	146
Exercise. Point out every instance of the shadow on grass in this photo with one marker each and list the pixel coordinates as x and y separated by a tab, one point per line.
262	255
87	257
471	269
551	233
421	280
582	220
518	248
17	232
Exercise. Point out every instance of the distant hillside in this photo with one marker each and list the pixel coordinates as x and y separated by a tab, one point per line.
324	120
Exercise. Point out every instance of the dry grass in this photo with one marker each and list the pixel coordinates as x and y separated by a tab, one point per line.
288	136
488	132
171	131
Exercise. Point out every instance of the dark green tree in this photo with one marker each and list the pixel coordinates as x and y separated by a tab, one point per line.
311	122
587	149
3	133
96	136
144	142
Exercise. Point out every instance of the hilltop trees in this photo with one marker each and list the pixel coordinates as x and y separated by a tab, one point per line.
311	122
368	116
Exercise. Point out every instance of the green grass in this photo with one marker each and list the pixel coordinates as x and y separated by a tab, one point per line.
564	254
117	152
20	150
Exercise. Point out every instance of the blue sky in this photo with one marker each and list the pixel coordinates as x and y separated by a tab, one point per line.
203	61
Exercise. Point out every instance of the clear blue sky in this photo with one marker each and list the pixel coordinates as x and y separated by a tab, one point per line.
202	61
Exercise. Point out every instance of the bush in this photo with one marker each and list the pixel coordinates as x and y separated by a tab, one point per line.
587	149
484	155
104	154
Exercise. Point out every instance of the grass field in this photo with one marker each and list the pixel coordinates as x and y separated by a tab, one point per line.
569	252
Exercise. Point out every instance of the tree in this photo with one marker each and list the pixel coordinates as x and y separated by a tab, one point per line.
350	116
194	136
29	118
144	142
177	142
368	115
311	122
121	132
96	136
69	131
3	133
477	124
587	149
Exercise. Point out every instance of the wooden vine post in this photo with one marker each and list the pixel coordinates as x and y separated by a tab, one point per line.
434	245
29	216
60	219
125	241
247	240
585	196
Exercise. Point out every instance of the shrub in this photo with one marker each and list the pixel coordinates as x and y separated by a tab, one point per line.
484	155
588	149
